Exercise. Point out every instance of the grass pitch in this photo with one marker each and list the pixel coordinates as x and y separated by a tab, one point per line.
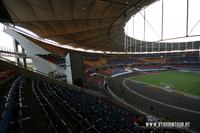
187	82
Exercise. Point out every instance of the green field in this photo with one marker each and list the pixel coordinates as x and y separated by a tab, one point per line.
187	82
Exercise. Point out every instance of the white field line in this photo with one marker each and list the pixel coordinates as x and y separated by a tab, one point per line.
153	100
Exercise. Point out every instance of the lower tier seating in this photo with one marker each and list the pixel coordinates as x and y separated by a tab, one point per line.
65	110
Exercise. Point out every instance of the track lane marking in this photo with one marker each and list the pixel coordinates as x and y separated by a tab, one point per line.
183	109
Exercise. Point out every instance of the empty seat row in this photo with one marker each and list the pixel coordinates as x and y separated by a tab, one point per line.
89	111
54	118
12	113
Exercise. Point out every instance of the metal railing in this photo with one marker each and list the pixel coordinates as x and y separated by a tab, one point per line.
4	51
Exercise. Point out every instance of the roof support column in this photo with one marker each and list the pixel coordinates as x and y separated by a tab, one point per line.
186	45
135	46
187	18
15	43
133	34
125	40
162	20
24	58
199	54
146	46
192	44
144	25
172	45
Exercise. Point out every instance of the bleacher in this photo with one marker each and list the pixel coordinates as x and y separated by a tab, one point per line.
94	82
192	67
95	79
6	74
111	71
120	61
94	62
118	70
100	62
13	107
108	61
90	113
56	59
149	66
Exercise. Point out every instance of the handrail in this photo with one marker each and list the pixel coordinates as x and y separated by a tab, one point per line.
7	50
29	68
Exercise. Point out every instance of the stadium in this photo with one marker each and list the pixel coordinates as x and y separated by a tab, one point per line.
99	66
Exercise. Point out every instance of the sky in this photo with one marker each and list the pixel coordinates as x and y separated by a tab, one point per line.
174	21
6	40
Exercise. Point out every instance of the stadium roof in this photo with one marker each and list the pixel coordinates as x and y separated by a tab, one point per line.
87	24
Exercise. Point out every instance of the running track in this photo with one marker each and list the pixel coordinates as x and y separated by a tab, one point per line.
175	106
